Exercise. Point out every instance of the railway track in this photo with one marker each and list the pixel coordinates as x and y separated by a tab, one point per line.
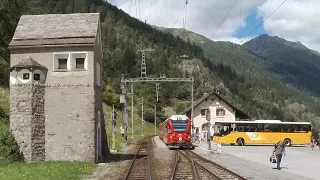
215	170
189	165
183	167
140	164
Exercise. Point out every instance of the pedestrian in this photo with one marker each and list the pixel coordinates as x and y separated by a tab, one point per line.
278	151
312	143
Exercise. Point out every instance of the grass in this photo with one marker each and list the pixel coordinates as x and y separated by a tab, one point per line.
45	170
137	127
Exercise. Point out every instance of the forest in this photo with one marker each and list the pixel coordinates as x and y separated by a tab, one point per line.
239	77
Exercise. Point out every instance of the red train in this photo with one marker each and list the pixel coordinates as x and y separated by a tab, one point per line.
175	132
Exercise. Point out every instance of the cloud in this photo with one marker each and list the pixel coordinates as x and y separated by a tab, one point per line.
203	17
296	20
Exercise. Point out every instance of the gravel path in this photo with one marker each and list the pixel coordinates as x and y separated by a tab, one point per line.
116	166
246	168
163	160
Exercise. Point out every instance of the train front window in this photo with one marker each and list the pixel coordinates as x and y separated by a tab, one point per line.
180	125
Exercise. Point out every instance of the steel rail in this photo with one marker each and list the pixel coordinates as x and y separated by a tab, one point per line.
134	158
177	157
215	164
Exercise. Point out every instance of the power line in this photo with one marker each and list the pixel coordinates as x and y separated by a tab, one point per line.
263	21
130	7
135	4
149	10
224	18
255	28
179	16
139	10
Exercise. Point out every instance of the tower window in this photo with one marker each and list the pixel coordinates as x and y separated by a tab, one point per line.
62	63
36	77
26	76
79	63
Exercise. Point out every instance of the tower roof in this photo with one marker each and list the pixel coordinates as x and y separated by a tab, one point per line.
56	29
28	62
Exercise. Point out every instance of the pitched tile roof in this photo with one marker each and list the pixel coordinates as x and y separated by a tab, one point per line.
50	29
28	62
239	113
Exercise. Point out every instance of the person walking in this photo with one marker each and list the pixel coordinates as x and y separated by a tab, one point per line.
312	143
278	151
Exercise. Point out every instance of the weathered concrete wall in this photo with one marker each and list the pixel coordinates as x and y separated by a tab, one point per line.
70	123
27	119
45	57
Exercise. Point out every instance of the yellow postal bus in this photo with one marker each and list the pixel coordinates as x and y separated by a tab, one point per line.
262	132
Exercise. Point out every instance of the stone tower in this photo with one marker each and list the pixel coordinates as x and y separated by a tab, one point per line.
27	96
56	88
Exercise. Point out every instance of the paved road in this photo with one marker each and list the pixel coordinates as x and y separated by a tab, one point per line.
301	161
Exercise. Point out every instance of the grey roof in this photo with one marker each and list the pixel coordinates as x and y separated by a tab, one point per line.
53	29
28	62
239	113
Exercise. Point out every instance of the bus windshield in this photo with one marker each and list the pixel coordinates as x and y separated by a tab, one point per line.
222	129
180	125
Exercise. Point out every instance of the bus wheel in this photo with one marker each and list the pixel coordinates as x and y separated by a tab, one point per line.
287	142
240	141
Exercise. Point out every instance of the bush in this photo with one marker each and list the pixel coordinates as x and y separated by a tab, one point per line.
9	149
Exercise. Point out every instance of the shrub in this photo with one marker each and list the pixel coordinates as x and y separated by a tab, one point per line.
9	149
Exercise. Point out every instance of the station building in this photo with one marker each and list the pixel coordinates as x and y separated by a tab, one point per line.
220	110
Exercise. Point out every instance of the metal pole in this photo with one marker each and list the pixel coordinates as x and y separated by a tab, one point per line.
175	105
132	131
142	120
155	119
192	107
209	136
113	129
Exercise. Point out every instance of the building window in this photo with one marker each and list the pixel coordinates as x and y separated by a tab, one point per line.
205	127
26	76
79	63
36	77
221	112
203	112
62	63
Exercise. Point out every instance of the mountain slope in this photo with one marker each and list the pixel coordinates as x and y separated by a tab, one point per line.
266	91
296	63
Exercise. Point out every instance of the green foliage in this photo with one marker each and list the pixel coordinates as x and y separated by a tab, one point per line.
9	149
46	170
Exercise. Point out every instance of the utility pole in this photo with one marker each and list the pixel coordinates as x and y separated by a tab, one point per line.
183	64
208	118
124	114
175	105
113	118
192	107
142	120
143	62
132	131
155	119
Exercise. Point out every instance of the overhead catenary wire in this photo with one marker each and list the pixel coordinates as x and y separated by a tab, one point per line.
224	18
255	29
263	21
179	15
149	11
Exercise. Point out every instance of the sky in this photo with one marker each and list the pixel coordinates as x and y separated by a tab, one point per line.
295	20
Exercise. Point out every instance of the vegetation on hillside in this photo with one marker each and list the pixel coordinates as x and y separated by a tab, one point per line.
263	93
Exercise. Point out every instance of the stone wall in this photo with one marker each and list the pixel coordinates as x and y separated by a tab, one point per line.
70	123
38	123
27	119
